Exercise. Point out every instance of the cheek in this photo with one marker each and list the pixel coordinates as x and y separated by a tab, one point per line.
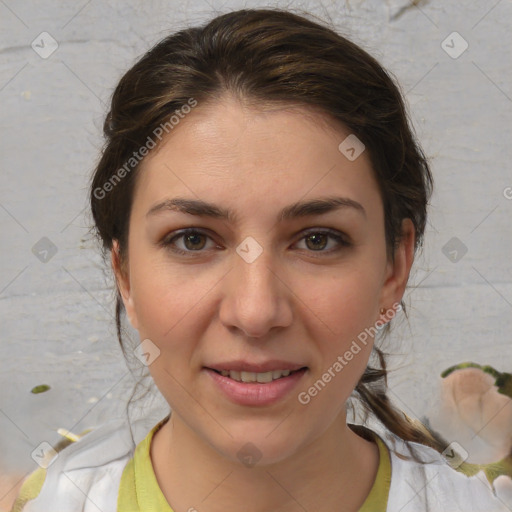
165	297
167	306
341	316
343	303
170	307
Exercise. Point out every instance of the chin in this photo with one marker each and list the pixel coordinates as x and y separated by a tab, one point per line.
258	446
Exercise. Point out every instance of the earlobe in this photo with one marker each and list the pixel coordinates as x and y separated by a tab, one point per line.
123	284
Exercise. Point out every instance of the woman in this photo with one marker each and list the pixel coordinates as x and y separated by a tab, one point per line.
262	196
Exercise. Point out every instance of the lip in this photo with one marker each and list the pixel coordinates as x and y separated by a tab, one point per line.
256	393
246	366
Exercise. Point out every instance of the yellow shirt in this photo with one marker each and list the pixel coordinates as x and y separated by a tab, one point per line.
139	490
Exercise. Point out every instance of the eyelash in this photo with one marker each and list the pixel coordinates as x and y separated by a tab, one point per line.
168	242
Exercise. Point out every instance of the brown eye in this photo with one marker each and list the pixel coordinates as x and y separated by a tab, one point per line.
317	241
193	240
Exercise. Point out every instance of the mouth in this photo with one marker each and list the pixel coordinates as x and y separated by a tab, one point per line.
260	377
249	388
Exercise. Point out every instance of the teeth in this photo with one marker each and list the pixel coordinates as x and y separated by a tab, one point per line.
255	377
264	377
248	376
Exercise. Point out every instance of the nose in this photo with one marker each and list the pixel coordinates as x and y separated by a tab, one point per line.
256	297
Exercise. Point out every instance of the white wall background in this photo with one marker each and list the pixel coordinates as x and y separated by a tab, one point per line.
57	323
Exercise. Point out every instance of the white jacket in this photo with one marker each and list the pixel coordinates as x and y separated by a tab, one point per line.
85	477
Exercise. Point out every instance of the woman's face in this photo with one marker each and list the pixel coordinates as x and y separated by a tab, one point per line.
274	286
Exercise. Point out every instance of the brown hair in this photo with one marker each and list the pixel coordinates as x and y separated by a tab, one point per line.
271	56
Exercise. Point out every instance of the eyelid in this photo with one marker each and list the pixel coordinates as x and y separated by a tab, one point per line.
341	238
168	240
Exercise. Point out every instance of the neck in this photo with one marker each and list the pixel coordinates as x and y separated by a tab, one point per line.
338	468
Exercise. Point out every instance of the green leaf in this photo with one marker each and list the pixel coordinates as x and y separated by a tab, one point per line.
504	383
485	368
40	389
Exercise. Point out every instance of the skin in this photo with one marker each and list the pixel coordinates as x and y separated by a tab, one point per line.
298	301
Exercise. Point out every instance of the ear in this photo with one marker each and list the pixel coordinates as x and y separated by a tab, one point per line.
123	284
397	271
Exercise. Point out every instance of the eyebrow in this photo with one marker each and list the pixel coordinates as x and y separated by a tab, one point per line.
300	209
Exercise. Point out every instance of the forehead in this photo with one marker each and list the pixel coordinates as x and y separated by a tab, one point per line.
244	155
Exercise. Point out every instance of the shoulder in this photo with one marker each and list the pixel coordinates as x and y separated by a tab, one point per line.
434	485
83	476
